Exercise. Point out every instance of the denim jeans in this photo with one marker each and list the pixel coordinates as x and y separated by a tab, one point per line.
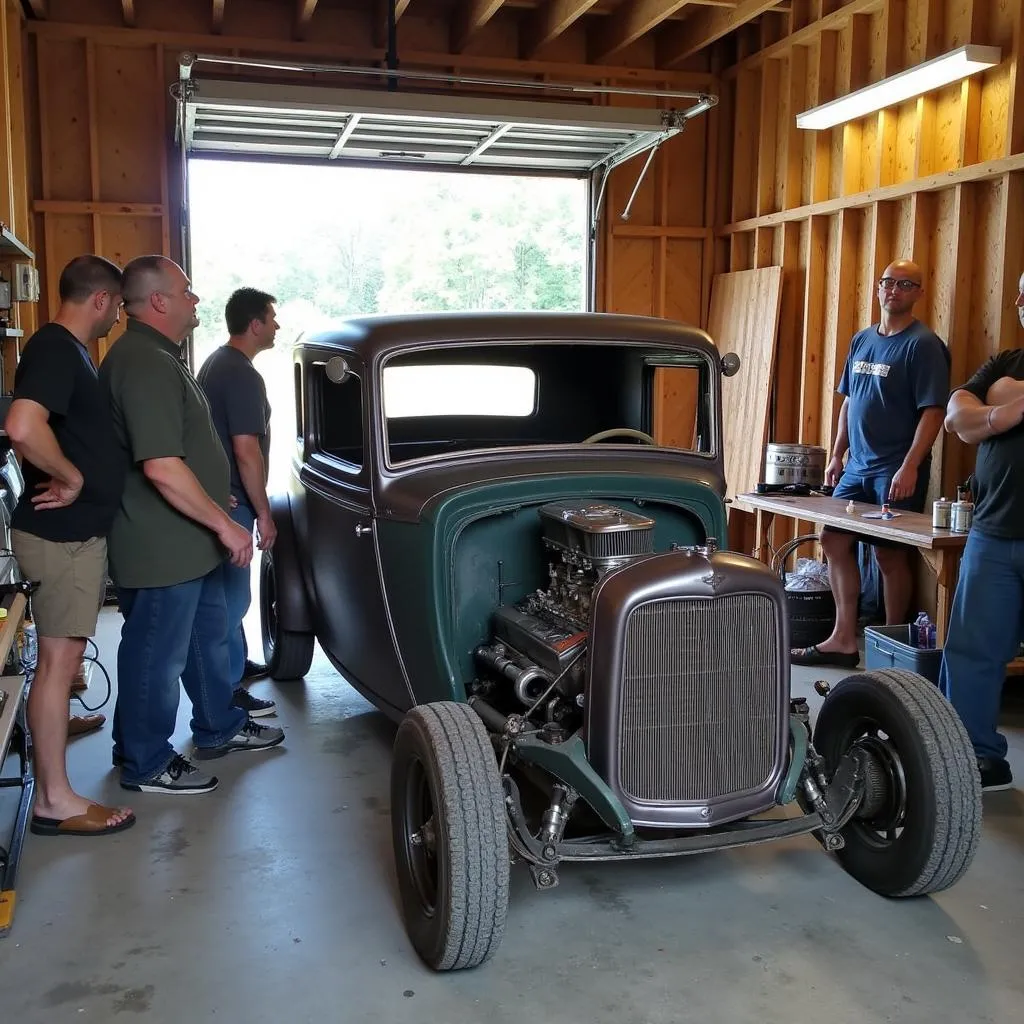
985	628
238	597
172	633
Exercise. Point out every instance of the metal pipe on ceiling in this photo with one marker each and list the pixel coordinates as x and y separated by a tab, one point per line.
188	60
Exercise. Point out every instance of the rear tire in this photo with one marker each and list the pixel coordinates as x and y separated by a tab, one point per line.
919	825
449	835
287	655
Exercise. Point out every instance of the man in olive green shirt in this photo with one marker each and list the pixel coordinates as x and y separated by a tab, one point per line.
169	538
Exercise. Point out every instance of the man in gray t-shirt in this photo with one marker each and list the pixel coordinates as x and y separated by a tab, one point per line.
241	413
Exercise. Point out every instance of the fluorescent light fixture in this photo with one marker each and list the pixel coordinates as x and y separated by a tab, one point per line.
932	74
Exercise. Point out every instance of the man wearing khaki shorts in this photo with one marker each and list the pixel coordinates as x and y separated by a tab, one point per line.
60	424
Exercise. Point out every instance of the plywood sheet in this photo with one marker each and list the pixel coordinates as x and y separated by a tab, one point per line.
744	319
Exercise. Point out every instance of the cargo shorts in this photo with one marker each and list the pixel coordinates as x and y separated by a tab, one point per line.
71	578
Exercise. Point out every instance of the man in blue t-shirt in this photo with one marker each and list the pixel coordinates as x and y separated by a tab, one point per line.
895	383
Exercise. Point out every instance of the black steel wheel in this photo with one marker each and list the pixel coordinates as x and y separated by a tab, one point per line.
287	655
917	828
449	835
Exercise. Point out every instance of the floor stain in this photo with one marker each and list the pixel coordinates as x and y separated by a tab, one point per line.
169	845
75	991
606	897
135	1000
144	950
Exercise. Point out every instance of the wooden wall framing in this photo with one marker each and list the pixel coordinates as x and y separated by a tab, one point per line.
939	179
107	166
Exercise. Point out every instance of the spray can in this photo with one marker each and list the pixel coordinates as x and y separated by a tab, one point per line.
961	517
942	512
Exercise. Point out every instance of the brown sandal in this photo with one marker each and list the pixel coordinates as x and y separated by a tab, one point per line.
79	725
92	823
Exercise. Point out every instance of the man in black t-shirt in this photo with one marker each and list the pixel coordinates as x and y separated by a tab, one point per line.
985	625
241	413
60	425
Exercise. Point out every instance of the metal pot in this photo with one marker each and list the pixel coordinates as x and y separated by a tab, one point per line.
794	464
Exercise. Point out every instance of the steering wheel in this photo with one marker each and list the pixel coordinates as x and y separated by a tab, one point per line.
602	435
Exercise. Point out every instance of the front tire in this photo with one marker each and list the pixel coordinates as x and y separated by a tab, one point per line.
287	655
919	824
449	835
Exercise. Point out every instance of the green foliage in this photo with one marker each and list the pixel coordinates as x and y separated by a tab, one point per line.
332	242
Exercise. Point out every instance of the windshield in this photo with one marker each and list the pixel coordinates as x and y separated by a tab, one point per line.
471	397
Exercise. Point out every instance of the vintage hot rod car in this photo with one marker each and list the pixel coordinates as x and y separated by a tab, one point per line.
487	542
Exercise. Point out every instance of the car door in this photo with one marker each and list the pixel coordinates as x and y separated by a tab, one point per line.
355	626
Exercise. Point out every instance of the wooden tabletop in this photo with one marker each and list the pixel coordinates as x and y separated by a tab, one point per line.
913	528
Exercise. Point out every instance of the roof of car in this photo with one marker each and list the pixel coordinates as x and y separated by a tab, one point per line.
371	337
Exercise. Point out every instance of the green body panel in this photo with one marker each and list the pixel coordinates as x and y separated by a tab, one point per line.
568	763
442	576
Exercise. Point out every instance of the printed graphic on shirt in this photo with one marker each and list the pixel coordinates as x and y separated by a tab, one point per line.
874	369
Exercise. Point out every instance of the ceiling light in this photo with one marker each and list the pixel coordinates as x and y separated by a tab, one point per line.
932	74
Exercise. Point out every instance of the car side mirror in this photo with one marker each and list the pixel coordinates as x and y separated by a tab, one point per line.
337	369
730	364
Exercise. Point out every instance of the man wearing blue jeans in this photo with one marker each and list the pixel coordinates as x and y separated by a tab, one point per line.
241	413
895	383
168	541
987	620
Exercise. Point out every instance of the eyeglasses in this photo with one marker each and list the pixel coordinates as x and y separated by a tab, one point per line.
902	283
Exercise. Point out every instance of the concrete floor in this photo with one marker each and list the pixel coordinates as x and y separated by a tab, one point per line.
273	899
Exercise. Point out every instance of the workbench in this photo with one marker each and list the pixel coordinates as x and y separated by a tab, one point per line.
14	739
941	549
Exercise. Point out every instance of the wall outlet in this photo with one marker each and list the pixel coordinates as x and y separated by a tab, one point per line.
26	282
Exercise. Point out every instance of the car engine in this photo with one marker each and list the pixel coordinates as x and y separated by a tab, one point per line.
539	644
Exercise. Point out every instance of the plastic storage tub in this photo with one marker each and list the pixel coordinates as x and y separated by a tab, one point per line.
890	647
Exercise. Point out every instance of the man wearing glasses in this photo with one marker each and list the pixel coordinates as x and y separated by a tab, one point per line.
895	386
169	538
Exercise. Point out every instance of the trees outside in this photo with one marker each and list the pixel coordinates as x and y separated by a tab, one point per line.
333	242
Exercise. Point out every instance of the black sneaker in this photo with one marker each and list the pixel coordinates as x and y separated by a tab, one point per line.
255	707
995	773
253	670
180	777
252	736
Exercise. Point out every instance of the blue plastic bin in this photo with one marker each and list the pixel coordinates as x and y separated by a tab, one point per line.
890	647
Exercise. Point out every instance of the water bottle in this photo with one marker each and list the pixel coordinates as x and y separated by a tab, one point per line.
919	630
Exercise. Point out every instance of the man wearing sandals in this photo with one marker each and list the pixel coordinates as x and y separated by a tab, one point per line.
60	425
895	386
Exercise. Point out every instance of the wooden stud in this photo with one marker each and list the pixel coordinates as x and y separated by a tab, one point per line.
814	242
790	159
218	16
304	11
746	116
767	153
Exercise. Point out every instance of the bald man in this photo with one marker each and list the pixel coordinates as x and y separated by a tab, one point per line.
169	539
895	386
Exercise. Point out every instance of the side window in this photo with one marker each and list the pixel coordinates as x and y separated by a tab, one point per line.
681	404
339	407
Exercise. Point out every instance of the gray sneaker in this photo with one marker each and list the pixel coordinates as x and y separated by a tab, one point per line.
252	736
180	777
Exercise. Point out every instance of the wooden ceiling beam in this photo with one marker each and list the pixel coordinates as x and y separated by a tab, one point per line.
304	10
218	16
548	22
38	8
469	18
705	27
631	21
128	12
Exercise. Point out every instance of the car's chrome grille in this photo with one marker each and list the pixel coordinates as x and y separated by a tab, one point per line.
699	698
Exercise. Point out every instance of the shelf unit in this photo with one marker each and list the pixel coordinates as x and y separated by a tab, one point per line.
10	245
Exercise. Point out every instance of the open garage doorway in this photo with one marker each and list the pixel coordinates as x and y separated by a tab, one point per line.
332	242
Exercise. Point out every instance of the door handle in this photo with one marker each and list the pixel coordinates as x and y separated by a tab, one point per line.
362	529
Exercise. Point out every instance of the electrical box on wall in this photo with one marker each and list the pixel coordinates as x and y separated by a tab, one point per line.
25	282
